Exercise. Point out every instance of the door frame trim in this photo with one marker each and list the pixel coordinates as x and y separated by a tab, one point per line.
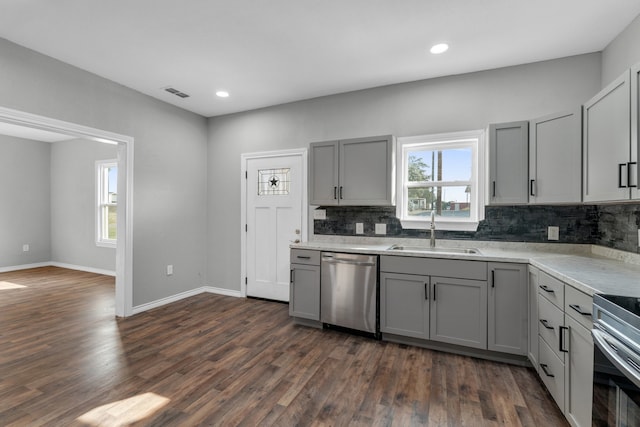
124	246
244	160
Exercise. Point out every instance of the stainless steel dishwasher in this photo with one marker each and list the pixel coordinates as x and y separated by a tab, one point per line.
348	291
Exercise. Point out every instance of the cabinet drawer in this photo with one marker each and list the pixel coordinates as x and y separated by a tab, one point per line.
461	269
552	289
550	318
579	306
305	256
552	373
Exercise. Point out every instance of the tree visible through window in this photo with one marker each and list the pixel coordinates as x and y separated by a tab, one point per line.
440	174
107	209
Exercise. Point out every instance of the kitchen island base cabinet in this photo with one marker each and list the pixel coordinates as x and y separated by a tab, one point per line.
507	322
404	305
459	312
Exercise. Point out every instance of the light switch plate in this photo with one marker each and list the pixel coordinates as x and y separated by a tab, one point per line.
359	228
553	233
320	214
25	247
169	270
381	228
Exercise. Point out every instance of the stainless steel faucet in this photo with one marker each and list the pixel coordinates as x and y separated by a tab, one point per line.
432	242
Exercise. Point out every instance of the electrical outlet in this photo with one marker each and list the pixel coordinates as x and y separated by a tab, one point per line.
320	214
381	228
553	233
169	270
25	247
359	228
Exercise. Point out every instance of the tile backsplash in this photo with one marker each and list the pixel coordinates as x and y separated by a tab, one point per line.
615	226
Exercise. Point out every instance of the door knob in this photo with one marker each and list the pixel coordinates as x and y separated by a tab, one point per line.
295	241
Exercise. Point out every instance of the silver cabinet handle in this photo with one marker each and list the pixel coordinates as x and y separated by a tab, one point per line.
617	354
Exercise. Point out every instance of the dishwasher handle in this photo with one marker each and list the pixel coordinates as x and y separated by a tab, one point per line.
347	261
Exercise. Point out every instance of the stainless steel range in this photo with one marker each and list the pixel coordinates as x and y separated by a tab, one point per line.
616	371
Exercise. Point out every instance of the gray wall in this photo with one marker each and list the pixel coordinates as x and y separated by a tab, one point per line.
73	204
170	163
621	53
455	103
24	201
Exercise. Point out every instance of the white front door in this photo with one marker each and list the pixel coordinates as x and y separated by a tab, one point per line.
274	220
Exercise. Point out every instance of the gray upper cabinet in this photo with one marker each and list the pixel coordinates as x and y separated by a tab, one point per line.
356	172
323	173
459	312
507	317
555	166
608	168
508	163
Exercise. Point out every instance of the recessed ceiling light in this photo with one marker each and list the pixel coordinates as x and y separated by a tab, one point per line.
222	94
439	48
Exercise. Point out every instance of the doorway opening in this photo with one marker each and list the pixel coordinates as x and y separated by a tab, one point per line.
124	245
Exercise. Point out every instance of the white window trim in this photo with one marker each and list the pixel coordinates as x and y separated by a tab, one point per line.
477	196
101	166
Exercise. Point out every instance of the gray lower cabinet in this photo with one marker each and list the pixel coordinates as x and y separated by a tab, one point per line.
404	305
355	172
533	316
459	312
578	374
304	292
509	163
304	289
507	304
565	352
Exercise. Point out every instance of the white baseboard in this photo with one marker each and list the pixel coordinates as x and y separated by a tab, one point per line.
81	268
24	266
222	291
57	264
173	298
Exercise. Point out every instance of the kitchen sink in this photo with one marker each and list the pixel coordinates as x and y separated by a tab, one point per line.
433	250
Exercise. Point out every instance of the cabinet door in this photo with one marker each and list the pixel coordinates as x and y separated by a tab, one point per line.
555	165
533	316
578	375
509	162
606	143
304	292
507	320
635	129
323	173
404	305
367	171
459	312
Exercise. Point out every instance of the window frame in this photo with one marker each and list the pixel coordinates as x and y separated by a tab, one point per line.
102	202
475	139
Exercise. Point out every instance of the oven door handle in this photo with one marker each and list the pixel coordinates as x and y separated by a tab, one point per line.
618	354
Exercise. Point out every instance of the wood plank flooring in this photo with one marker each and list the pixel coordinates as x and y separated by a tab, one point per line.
214	360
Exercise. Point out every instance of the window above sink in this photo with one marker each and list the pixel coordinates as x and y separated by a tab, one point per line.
443	174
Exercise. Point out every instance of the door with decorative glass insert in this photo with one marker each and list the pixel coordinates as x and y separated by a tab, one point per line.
274	209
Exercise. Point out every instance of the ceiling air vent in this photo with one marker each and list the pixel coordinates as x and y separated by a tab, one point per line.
176	92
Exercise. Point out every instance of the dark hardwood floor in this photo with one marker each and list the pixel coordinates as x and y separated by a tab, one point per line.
214	360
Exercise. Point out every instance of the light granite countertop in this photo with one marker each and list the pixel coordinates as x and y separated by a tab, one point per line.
589	268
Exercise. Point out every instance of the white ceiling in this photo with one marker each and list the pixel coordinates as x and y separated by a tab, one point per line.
267	52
